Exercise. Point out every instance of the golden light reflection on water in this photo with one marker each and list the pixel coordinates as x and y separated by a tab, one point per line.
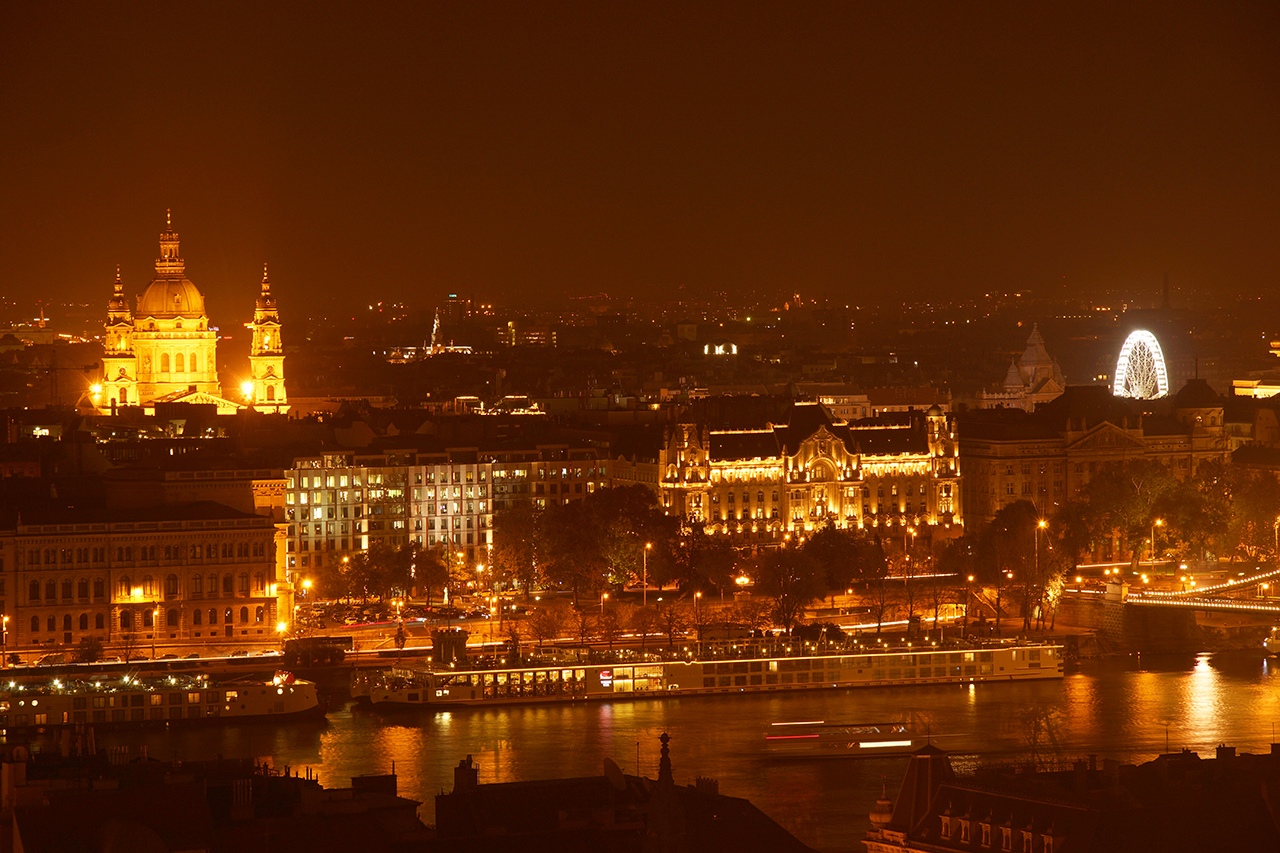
1116	708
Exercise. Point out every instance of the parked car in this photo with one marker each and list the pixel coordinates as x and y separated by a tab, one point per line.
167	657
240	653
192	656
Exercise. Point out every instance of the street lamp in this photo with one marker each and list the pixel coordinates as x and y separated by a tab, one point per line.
644	583
604	596
1159	522
697	618
4	640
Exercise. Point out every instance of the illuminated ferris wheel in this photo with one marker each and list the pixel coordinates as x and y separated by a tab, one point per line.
1140	372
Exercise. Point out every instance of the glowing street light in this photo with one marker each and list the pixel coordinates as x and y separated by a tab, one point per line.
644	582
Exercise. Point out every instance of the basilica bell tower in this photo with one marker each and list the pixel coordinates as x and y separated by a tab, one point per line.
265	389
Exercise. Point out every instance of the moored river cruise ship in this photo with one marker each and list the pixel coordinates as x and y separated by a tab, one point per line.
130	701
568	682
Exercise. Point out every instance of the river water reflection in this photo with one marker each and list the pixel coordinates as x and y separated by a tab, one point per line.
1124	708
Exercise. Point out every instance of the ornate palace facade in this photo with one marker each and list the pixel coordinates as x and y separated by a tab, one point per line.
760	482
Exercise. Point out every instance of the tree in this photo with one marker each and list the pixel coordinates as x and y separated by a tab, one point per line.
645	621
752	613
695	559
429	571
839	553
515	545
674	621
547	622
89	650
791	579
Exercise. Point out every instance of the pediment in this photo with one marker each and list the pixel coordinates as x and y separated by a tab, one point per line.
1106	436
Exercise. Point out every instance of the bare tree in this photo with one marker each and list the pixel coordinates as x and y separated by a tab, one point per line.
547	622
673	620
644	621
752	613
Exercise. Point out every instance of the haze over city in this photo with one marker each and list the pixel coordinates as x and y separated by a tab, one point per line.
853	150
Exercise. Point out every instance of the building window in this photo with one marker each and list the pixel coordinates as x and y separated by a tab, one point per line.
197	584
35	624
84	621
244	615
33	591
171	585
197	616
171	618
99	621
82	589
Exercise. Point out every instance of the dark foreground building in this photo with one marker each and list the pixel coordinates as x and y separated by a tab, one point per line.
1178	803
611	813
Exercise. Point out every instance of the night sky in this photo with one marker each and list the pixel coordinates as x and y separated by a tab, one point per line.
866	151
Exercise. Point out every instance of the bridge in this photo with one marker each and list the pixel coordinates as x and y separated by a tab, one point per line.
1233	595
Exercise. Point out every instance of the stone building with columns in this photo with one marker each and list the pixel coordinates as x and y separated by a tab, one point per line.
163	349
750	470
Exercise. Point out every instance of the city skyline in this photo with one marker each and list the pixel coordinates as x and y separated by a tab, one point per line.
844	150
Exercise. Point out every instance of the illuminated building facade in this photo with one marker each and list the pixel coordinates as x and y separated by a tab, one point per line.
190	573
164	349
265	387
758	483
343	502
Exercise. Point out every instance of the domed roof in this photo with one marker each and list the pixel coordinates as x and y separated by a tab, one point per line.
168	298
1197	394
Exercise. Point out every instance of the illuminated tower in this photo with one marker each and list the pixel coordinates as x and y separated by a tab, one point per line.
119	383
265	388
176	350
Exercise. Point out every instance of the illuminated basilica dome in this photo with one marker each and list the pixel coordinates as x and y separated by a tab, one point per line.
167	299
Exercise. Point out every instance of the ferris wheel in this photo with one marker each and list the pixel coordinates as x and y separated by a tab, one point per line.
1140	371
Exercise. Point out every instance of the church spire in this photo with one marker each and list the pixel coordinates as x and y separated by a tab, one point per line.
169	264
118	305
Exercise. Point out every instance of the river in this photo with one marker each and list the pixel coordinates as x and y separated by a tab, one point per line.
1122	708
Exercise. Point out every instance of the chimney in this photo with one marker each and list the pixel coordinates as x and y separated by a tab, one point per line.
466	776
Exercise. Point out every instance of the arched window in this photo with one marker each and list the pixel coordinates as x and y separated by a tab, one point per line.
126	620
124	396
82	589
35	624
193	363
197	584
171	585
228	584
164	362
50	590
197	616
99	621
99	588
171	618
244	615
33	591
213	584
52	623
226	616
123	588
66	589
259	614
213	616
259	582
66	621
148	586
84	621
244	582
148	618
179	364
271	393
